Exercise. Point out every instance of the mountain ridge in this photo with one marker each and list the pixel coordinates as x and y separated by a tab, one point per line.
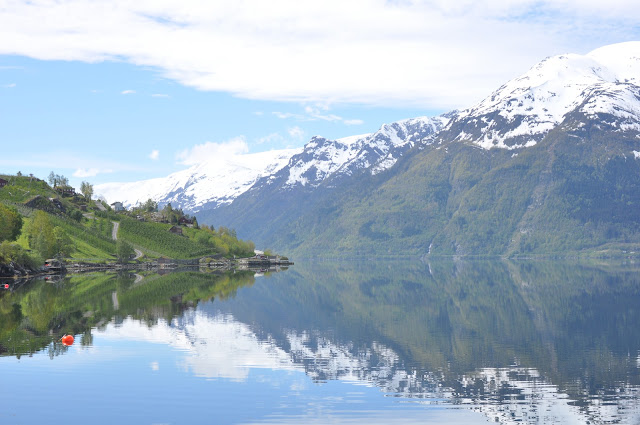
219	181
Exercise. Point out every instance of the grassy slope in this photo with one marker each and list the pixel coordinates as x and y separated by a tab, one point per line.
90	242
92	236
21	189
157	238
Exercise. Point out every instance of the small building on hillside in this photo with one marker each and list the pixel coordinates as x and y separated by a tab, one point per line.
3	183
117	206
185	221
65	190
176	230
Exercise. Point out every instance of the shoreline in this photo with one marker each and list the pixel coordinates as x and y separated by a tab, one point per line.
163	264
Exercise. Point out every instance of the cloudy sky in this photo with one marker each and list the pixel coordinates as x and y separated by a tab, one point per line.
119	90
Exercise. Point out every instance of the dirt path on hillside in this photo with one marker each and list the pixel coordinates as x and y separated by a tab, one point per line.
114	235
114	232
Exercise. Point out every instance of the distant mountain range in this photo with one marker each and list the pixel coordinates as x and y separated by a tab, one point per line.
219	181
547	163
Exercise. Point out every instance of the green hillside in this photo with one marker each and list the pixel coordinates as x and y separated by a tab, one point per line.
23	188
156	238
39	222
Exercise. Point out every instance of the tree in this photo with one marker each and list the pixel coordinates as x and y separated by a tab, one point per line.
124	251
58	180
47	240
40	234
11	251
150	206
87	190
76	215
204	239
10	223
167	212
63	244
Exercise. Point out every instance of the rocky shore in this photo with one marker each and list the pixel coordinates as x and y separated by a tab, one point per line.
16	271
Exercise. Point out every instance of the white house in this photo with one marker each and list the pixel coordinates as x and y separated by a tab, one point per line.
117	206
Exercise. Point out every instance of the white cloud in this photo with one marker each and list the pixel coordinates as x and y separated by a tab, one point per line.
230	349
317	113
296	132
160	95
270	138
155	154
90	172
127	92
430	53
209	150
9	86
285	115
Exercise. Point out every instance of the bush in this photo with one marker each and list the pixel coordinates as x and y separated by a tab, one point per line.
12	252
124	251
10	223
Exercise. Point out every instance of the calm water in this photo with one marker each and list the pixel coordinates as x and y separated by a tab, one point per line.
367	343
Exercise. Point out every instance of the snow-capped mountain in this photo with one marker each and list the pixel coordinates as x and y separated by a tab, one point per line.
219	181
216	181
567	112
519	114
322	158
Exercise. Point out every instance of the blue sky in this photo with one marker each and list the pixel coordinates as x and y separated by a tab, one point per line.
124	91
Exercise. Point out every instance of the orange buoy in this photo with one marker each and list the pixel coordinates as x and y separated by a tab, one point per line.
67	340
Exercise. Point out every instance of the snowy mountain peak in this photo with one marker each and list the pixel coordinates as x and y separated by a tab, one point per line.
323	158
216	181
524	109
571	89
623	59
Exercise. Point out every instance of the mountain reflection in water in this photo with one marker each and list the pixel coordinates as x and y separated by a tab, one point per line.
519	342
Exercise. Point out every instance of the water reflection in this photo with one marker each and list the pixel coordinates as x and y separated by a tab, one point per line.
532	342
35	313
525	342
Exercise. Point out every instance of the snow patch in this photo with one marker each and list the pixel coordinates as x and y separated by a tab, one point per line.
218	180
604	81
373	151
